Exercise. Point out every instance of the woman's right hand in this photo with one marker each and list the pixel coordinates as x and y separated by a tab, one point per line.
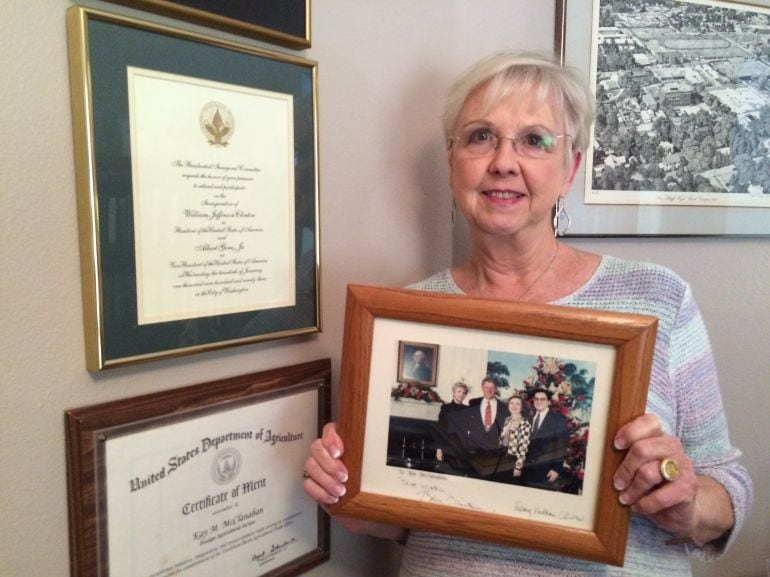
326	474
325	483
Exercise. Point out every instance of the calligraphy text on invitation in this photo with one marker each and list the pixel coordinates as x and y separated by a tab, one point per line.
213	197
216	495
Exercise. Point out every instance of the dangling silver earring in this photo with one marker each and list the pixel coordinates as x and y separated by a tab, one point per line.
560	227
454	212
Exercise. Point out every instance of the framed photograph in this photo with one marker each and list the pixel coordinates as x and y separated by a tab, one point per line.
417	363
197	183
682	102
201	480
285	22
555	384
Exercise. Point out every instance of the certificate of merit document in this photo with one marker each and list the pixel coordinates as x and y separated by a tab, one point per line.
212	174
220	494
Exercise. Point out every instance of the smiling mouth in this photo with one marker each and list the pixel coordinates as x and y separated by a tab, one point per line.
503	194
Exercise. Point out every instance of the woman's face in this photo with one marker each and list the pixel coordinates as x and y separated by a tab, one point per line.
458	393
503	193
514	406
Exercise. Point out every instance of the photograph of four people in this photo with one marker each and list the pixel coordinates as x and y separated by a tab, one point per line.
527	423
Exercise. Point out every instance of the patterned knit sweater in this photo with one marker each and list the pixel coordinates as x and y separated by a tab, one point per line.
684	394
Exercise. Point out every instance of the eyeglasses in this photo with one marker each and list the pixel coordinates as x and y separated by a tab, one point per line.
477	142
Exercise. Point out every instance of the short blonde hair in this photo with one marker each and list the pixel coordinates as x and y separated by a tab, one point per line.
508	73
460	385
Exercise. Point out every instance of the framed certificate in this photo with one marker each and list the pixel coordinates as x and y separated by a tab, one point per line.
197	190
201	480
423	461
284	22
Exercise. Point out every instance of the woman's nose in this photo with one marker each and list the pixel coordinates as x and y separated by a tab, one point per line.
505	157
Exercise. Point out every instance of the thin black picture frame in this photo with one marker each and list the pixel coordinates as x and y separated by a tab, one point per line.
284	22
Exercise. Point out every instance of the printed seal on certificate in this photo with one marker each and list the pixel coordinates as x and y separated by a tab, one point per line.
217	123
226	465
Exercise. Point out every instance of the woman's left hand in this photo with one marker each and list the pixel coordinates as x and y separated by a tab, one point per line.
672	505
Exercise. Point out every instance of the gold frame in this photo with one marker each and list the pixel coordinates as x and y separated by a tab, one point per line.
631	336
112	337
402	349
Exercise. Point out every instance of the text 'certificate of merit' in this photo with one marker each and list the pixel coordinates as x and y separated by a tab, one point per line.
216	495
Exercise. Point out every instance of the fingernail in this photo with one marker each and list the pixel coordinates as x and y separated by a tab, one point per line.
340	490
343	477
336	453
618	484
623	498
334	501
620	444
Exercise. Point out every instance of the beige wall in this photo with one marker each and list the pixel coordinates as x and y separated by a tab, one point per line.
383	67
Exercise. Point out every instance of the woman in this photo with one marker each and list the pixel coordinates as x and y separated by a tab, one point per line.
517	126
515	435
459	392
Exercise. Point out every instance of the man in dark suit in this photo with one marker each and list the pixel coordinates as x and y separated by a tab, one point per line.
477	427
548	445
485	418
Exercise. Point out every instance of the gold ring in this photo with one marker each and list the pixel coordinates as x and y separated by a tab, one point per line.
669	469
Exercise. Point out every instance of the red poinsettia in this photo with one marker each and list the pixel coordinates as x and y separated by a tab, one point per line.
415	392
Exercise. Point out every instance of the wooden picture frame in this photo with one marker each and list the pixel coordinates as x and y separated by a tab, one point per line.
410	490
205	478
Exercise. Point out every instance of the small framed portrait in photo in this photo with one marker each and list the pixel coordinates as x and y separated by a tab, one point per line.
417	363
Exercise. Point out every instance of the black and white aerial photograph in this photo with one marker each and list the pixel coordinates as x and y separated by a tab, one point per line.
683	104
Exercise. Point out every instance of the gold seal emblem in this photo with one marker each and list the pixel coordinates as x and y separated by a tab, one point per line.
669	469
217	124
